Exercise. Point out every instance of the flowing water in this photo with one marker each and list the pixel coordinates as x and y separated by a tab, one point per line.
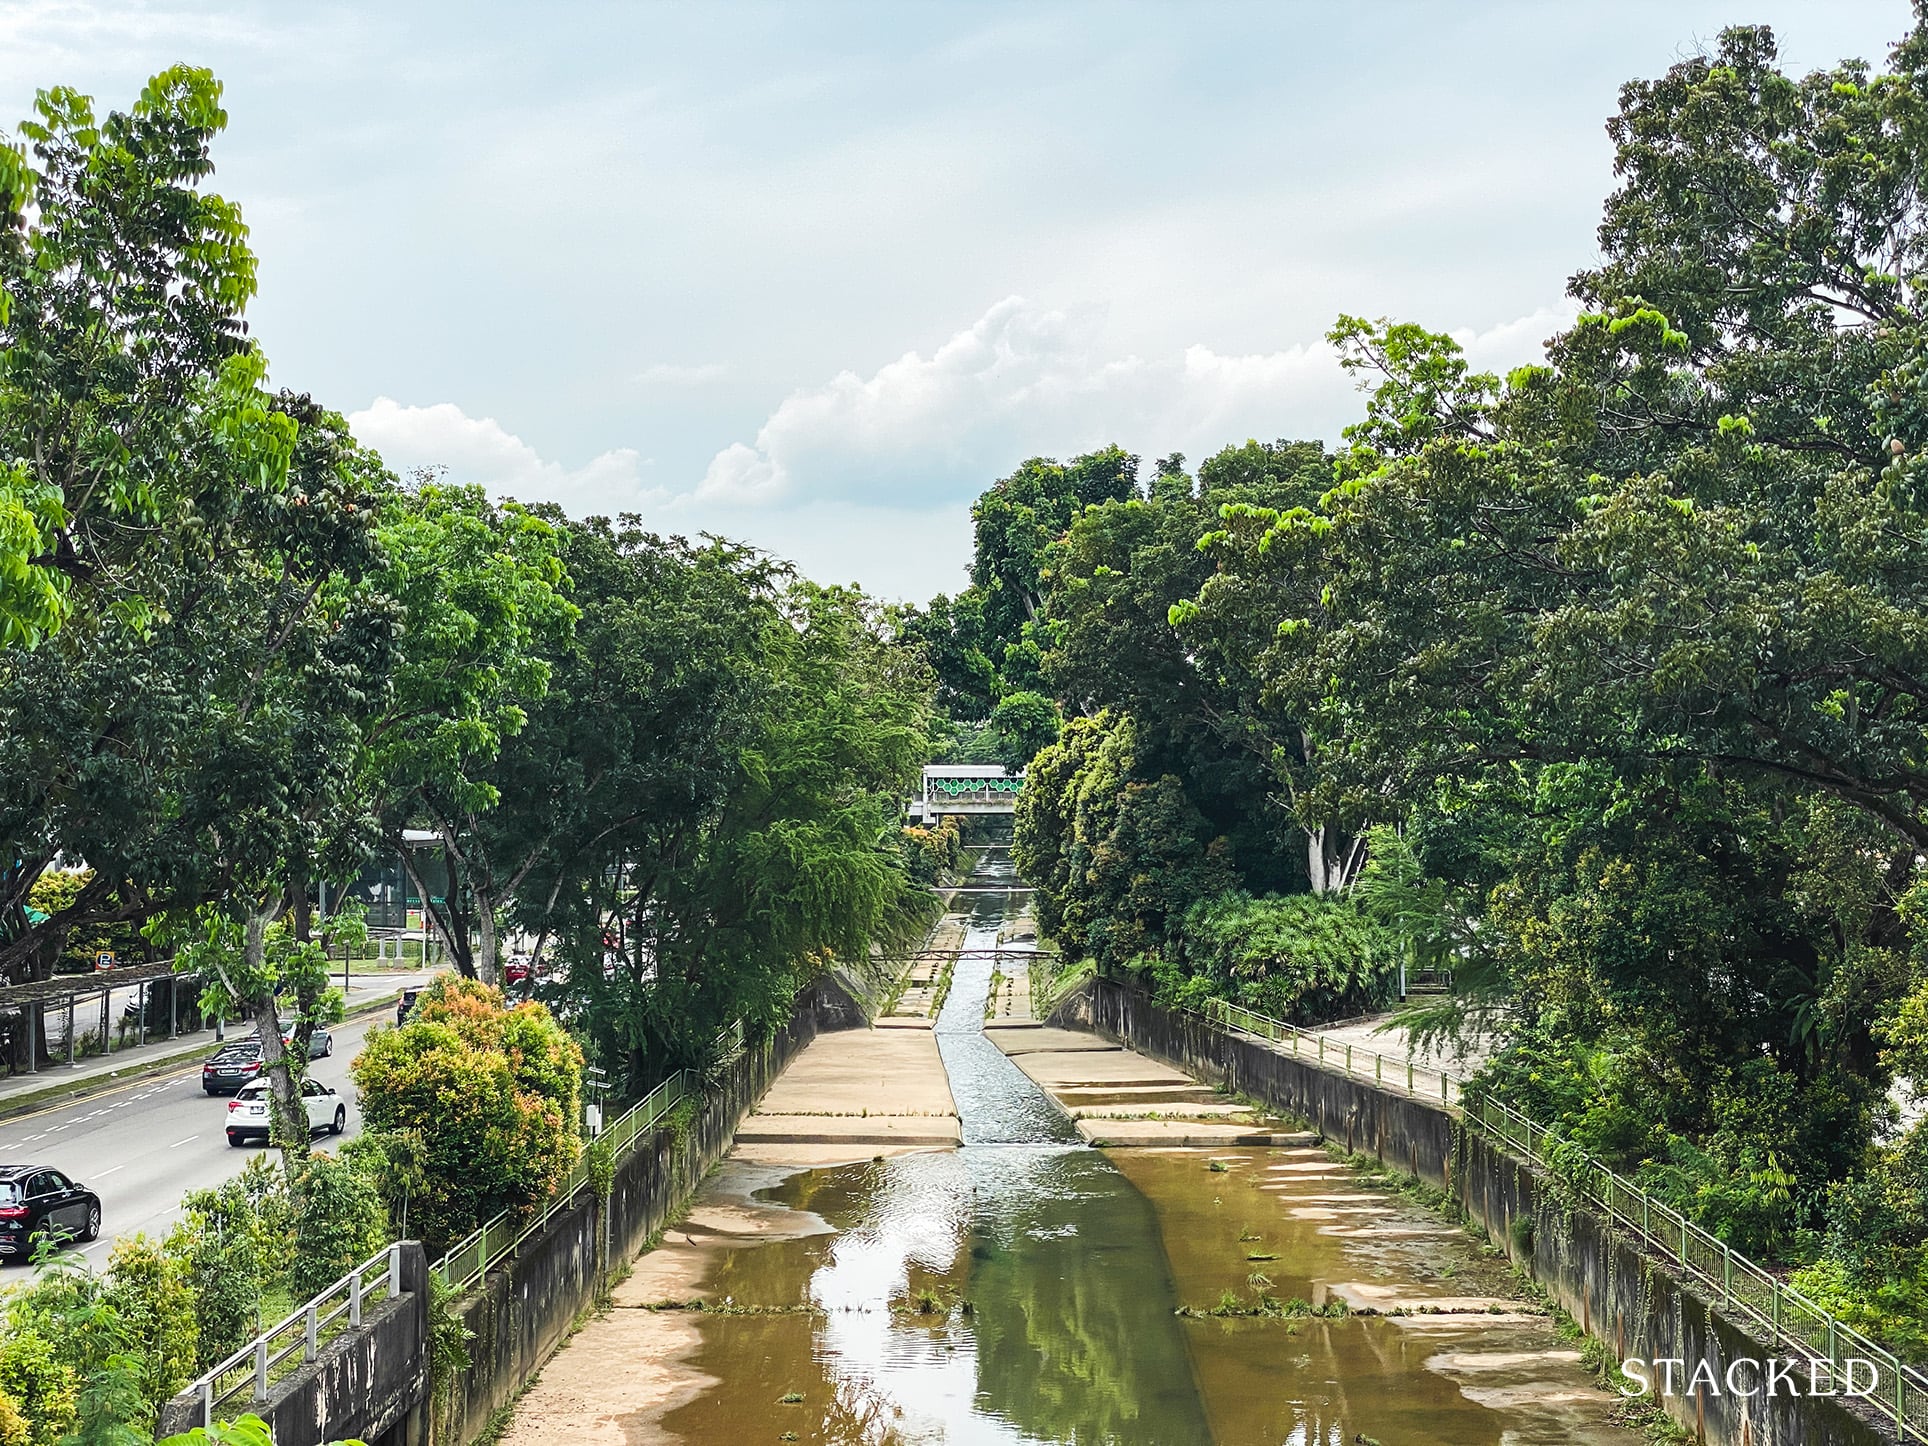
1026	1288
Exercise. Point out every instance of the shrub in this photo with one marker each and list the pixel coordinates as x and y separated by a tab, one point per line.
45	1388
1306	958
339	1219
491	1094
148	1291
932	853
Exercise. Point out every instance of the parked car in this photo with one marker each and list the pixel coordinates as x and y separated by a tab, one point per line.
37	1201
249	1114
405	1006
516	969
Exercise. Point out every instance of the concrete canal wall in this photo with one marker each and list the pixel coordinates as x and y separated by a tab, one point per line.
1630	1303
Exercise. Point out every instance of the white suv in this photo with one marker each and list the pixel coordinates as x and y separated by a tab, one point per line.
248	1114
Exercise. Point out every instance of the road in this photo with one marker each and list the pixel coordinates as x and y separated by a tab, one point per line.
141	1146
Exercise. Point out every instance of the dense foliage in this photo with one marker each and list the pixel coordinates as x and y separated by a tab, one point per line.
240	660
1600	684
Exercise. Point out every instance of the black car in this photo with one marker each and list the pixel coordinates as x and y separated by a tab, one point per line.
231	1067
406	1005
38	1201
236	1064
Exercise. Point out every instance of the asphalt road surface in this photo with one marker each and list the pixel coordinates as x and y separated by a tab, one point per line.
141	1146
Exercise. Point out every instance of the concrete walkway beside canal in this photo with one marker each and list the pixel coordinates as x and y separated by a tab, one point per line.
852	1095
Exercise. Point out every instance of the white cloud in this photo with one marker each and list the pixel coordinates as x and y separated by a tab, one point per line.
679	374
1023	380
482	450
869	478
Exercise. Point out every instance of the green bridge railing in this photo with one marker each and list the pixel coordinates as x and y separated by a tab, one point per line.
1750	1294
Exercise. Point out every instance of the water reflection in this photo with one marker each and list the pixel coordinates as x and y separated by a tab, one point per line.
1069	1334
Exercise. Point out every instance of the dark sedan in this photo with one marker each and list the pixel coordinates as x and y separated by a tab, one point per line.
38	1202
231	1067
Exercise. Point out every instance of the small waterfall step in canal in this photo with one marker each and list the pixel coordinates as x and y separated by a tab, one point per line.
1025	1287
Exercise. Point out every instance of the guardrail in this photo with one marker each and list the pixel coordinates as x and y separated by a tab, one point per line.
1786	1319
244	1377
1750	1293
499	1238
1417	1080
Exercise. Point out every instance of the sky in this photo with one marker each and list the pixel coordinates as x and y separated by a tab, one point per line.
814	275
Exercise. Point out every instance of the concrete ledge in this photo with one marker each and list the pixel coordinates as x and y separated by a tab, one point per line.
1137	1134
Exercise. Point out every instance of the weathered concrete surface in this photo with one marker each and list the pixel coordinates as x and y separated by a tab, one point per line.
1122	1099
863	1091
370	1383
1135	1134
1631	1303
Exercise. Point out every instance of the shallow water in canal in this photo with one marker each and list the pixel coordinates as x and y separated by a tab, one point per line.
1027	1288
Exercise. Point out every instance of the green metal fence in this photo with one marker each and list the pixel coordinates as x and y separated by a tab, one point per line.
1416	1080
499	1238
1784	1320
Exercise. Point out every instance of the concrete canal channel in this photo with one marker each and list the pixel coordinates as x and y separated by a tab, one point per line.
913	1241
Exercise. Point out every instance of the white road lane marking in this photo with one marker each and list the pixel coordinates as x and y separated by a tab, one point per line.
102	1174
188	1141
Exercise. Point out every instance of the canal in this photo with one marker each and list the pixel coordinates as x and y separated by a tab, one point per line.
1026	1287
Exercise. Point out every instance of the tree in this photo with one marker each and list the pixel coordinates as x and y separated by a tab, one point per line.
797	864
493	1095
192	526
1632	642
633	746
479	586
1023	723
121	291
1122	635
1117	858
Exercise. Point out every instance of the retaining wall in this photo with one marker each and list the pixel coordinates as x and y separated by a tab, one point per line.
1631	1303
368	1383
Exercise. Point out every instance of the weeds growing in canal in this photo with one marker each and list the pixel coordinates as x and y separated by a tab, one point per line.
1265	1306
942	989
730	1307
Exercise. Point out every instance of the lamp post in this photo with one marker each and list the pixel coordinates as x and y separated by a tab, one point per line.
592	1110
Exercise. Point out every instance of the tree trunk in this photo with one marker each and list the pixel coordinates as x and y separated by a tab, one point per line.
1332	859
488	966
288	1116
